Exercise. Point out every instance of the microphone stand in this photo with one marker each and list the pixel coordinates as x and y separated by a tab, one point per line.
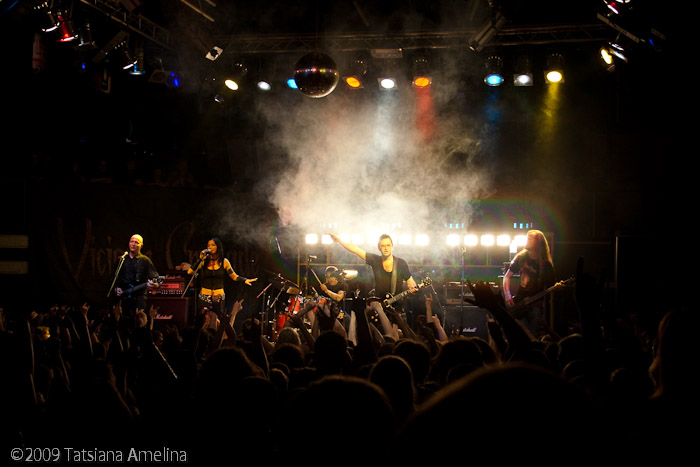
116	274
194	274
264	313
461	301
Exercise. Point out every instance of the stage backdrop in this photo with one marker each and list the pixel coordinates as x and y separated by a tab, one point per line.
78	232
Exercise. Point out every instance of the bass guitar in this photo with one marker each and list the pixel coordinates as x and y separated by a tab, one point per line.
390	299
126	293
522	305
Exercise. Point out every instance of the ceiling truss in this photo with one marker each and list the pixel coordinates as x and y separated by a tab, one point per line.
260	44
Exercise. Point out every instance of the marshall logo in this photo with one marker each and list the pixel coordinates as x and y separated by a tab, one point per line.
159	316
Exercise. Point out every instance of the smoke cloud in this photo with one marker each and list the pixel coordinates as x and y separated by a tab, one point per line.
373	165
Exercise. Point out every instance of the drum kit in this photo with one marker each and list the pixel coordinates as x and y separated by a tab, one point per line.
290	299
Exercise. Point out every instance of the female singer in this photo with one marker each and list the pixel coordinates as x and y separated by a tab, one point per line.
214	268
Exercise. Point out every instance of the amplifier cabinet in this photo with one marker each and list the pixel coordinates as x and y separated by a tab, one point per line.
171	310
468	321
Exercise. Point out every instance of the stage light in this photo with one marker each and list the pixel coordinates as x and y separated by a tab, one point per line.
487	240
422	240
421	72
492	26
452	240
235	77
554	73
85	40
66	32
292	84
126	59
139	67
520	240
357	239
47	18
617	6
503	240
387	84
326	239
174	79
264	85
357	70
471	240
523	71
494	70
404	239
311	239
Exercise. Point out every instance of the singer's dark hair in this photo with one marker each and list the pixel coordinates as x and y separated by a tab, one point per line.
219	250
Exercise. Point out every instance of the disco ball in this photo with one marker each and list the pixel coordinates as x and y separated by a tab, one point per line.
316	74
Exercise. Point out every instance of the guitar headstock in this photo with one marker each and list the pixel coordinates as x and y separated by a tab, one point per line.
426	282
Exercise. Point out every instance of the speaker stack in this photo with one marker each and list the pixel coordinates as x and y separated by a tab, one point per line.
462	317
171	310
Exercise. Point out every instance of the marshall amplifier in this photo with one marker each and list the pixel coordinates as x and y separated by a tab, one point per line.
172	285
468	321
454	293
171	310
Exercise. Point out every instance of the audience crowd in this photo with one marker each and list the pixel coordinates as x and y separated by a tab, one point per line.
608	391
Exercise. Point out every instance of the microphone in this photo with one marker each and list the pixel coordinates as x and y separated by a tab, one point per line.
207	251
124	255
312	257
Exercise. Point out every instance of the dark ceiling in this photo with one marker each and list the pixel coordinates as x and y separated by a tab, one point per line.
185	30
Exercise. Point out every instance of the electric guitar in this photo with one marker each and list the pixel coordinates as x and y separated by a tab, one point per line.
126	293
391	299
520	309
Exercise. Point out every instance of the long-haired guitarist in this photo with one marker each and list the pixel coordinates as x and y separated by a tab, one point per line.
536	269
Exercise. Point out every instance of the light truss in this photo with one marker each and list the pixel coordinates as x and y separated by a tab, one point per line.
134	22
508	36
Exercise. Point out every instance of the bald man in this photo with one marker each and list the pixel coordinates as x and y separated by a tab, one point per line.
136	270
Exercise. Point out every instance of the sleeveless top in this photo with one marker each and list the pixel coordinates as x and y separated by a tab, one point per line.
213	278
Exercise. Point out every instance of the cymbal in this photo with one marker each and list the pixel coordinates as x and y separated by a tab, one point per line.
349	274
284	284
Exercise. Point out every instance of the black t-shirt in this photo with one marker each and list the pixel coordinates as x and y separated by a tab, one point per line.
136	271
382	278
535	276
341	285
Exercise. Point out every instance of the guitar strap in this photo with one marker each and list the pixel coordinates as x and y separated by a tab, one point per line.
393	278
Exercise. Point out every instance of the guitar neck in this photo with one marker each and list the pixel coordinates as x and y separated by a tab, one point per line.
537	296
393	299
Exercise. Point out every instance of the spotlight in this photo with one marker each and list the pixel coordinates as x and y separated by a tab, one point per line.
357	72
387	75
173	79
85	41
235	78
421	75
265	75
607	58
127	60
494	67
47	18
617	6
214	53
490	28
554	73
65	28
387	84
292	84
523	71
138	68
